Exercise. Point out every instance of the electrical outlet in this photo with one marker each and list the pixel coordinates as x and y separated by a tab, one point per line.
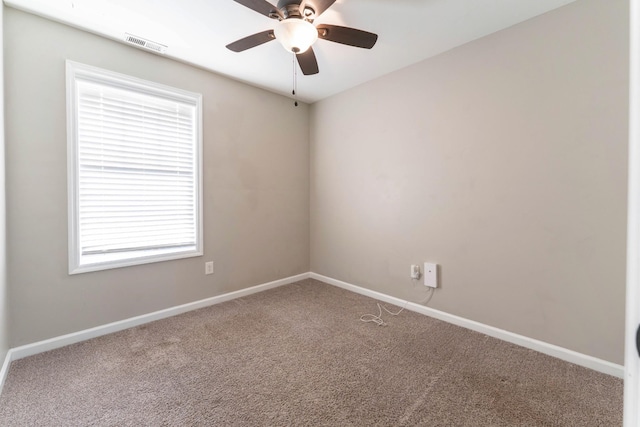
415	271
208	267
431	275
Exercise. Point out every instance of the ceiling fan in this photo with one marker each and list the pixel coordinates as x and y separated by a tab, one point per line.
296	32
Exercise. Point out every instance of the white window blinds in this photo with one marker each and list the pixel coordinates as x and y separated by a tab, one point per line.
137	172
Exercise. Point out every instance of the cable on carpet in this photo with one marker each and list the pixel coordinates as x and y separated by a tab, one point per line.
377	319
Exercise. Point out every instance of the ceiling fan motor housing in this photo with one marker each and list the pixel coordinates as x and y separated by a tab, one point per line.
293	9
286	4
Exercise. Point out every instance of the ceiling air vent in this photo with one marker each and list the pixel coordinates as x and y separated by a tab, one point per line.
147	44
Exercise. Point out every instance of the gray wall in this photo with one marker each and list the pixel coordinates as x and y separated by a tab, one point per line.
504	161
256	187
4	319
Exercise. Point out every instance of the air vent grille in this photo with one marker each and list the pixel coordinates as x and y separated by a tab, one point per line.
147	44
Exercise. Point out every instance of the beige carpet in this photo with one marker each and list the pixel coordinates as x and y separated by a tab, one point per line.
299	355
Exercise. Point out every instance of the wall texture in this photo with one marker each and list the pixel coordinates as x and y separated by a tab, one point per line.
4	318
256	187
504	161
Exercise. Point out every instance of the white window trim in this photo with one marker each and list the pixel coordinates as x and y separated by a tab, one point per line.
75	71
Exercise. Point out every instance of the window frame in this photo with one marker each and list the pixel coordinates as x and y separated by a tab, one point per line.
76	71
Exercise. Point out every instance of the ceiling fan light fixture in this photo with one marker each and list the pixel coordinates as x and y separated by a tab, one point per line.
296	35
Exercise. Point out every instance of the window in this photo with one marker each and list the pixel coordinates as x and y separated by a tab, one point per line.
134	170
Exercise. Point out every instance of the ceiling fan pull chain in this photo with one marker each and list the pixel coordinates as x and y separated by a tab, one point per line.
295	81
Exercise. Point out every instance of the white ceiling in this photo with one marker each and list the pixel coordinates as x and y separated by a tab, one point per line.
197	31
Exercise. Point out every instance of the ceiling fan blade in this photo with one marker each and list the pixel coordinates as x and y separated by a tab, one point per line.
319	6
308	63
251	41
348	36
261	6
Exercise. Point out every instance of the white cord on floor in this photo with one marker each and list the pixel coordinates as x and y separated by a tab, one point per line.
378	319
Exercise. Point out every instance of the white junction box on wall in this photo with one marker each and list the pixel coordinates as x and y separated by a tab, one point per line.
430	275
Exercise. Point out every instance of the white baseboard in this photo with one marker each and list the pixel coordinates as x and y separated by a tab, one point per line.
64	340
87	334
549	349
530	343
5	369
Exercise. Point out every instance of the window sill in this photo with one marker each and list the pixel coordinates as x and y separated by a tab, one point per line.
100	262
